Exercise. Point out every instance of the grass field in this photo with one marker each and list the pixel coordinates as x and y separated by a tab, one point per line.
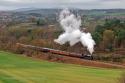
18	69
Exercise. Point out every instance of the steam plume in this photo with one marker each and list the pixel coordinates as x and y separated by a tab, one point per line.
71	25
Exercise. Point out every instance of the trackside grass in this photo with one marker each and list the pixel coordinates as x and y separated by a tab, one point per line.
15	68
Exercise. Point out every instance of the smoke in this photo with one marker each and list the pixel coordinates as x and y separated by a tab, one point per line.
72	34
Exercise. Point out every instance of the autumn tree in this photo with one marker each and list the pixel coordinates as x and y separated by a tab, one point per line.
32	19
108	39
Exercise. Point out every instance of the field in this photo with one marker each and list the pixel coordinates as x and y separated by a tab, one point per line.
19	69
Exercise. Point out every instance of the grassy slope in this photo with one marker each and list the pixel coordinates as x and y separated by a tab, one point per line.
18	69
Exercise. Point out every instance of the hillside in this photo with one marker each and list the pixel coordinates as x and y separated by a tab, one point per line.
18	69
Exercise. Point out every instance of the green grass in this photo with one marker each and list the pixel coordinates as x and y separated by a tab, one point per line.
18	69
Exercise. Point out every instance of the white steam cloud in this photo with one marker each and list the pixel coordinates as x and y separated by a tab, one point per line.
71	25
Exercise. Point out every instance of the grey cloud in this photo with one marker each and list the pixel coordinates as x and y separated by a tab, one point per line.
85	4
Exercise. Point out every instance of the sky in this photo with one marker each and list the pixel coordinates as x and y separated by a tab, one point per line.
82	4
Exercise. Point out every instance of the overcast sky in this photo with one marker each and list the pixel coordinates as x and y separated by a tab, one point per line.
83	4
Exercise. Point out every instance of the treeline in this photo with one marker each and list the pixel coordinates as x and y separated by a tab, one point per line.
39	36
110	35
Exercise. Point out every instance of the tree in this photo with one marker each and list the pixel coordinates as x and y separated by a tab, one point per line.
100	29
32	19
97	37
41	22
108	39
111	23
121	36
